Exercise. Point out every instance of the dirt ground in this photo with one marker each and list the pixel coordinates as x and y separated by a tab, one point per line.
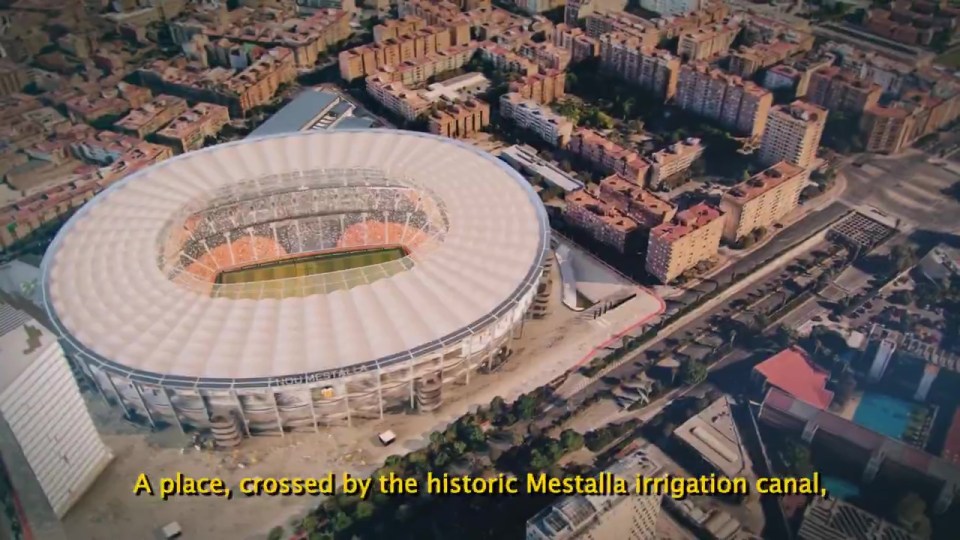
546	349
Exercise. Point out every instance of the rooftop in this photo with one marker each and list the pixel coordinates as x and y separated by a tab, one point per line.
714	435
527	158
831	518
686	222
763	182
792	371
22	340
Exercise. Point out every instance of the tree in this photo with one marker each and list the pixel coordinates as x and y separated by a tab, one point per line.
276	533
846	388
497	406
901	257
525	407
692	372
364	510
341	521
796	458
309	523
911	514
571	440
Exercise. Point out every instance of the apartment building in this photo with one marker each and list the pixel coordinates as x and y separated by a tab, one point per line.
307	38
673	26
87	110
602	221
635	202
888	130
575	40
738	105
837	89
746	61
528	114
366	60
506	60
460	119
396	97
546	55
654	70
416	72
604	22
793	134
691	237
240	92
13	77
707	42
432	12
672	7
395	28
544	88
151	117
189	130
608	156
673	160
761	201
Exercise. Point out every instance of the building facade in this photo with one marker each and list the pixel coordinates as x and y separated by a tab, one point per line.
691	237
793	134
762	200
44	420
528	114
739	105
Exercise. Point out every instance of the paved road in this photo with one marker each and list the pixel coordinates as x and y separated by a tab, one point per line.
783	241
906	186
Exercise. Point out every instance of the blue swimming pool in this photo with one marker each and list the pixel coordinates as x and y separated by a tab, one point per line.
883	414
839	488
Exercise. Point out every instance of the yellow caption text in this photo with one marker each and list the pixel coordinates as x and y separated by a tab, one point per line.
605	483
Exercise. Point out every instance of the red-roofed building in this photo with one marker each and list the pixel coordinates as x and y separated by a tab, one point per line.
691	238
951	447
792	371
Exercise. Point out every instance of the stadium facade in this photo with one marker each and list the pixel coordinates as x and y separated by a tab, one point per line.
131	281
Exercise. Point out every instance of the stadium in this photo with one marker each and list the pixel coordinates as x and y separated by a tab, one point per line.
297	281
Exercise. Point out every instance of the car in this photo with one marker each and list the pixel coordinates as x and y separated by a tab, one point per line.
817	318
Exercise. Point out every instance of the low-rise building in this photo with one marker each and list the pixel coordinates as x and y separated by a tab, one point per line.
624	517
525	159
794	372
826	518
609	156
189	130
460	119
544	88
673	160
713	435
528	114
13	77
762	200
693	236
152	116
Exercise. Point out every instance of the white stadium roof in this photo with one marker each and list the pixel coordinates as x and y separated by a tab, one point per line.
106	292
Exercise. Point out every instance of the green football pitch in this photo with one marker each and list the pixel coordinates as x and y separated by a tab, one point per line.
307	266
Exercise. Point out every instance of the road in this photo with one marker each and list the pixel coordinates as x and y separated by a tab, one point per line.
783	241
907	186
